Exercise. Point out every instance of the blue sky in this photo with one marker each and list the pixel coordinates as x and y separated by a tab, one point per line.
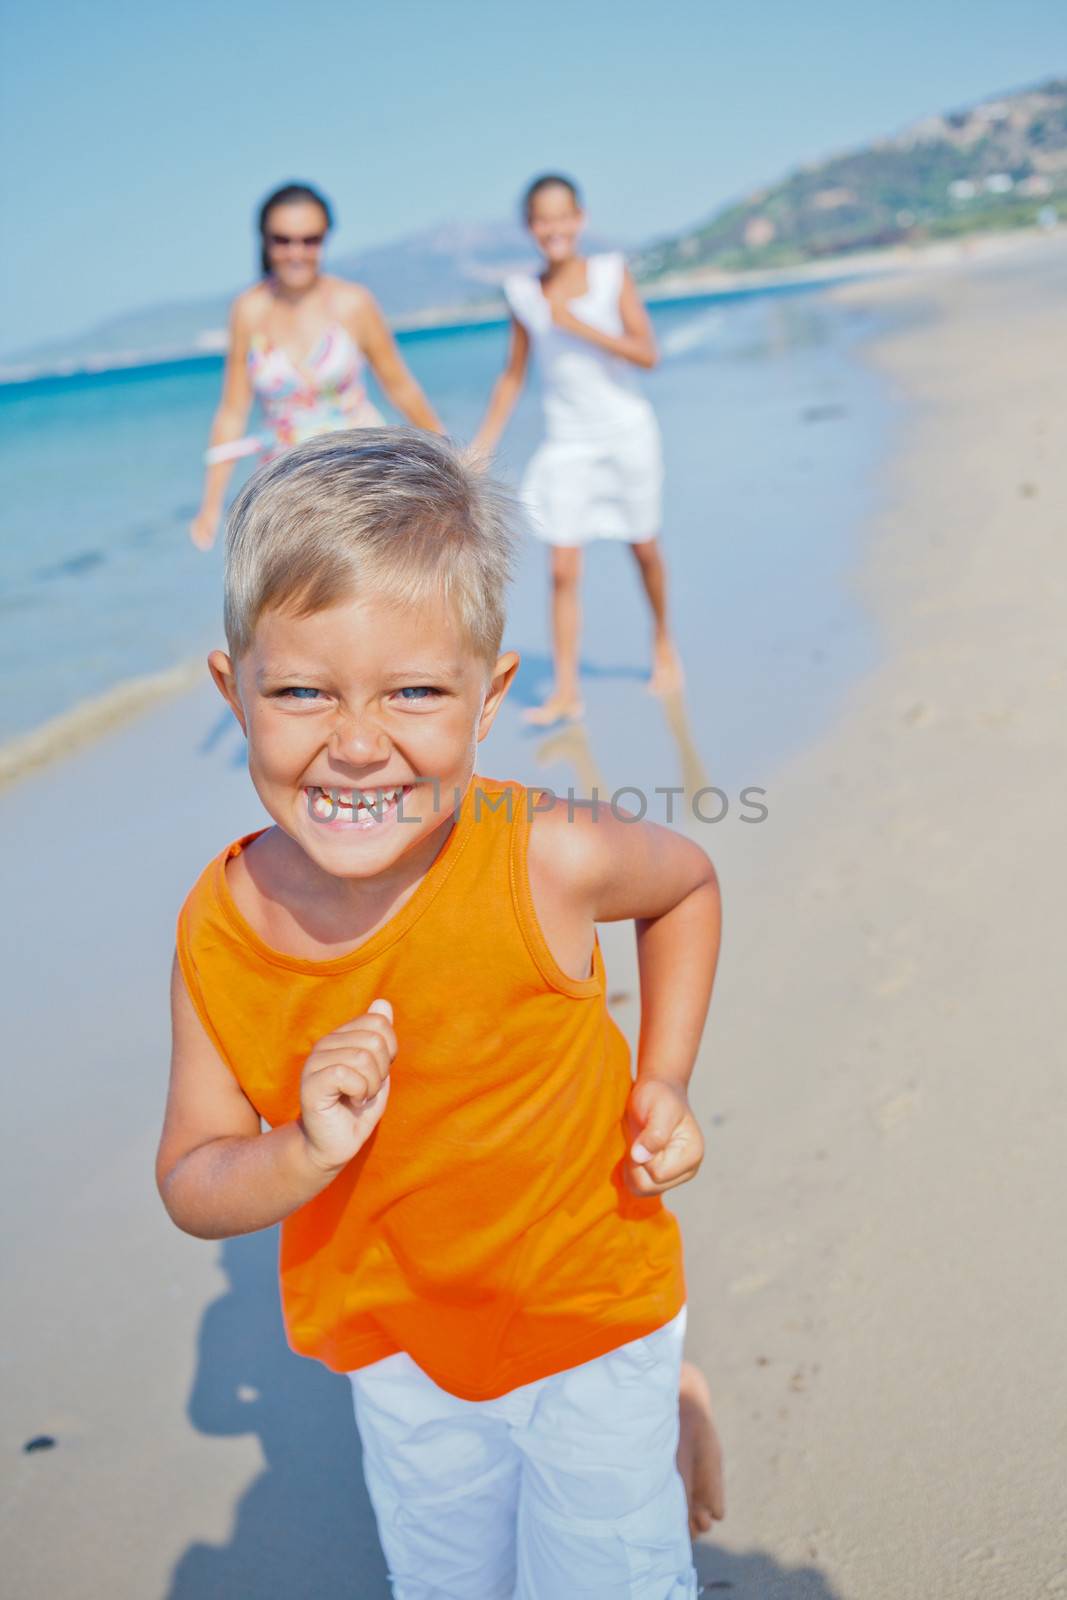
138	136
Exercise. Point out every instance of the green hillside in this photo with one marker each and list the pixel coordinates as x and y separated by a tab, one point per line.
997	165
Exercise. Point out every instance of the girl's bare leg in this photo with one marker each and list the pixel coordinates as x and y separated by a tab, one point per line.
565	700
666	663
699	1452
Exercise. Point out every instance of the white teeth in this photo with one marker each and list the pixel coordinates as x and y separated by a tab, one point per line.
339	801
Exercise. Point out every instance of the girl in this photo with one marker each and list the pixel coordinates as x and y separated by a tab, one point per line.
298	342
598	474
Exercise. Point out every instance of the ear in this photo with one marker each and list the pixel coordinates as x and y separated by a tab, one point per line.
224	672
506	667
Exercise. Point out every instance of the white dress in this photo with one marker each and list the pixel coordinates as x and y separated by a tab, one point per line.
599	472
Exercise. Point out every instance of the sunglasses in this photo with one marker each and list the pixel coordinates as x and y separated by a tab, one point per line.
281	241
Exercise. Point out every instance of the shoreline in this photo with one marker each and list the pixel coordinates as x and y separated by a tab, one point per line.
701	284
769	398
88	720
428	324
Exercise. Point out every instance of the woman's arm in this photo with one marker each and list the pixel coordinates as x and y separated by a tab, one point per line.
506	391
372	334
637	342
230	422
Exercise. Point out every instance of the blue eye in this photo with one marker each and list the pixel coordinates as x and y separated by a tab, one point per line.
298	692
418	692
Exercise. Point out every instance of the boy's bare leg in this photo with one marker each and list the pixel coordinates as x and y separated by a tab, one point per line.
666	663
699	1452
564	703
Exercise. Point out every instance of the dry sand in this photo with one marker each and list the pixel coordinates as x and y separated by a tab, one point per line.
876	1240
880	1226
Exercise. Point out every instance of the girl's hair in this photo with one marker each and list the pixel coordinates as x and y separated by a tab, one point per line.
289	194
548	180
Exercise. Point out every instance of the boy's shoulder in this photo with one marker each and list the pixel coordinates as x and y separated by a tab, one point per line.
572	842
207	894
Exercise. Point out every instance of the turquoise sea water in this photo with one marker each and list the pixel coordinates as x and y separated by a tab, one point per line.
772	427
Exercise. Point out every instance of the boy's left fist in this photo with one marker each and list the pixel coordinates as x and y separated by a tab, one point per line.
666	1144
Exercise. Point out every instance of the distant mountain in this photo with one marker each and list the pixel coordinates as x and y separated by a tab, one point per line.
184	326
997	164
994	165
452	266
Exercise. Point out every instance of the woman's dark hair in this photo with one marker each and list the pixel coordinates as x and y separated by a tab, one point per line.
289	194
548	180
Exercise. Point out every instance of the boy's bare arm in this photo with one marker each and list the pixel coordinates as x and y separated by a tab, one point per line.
604	869
218	1173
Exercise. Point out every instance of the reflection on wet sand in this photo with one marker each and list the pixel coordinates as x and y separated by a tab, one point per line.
694	773
572	746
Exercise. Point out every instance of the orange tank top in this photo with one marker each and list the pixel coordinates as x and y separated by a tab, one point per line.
484	1228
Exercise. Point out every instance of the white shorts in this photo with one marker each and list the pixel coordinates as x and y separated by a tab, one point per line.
564	1489
577	491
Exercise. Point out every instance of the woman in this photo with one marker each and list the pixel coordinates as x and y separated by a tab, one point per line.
598	474
299	342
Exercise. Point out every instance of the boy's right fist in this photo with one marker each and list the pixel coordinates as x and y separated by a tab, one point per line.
345	1085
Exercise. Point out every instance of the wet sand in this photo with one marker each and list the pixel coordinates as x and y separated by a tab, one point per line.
873	1250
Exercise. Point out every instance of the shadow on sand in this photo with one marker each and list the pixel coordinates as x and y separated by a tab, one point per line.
304	1529
753	1575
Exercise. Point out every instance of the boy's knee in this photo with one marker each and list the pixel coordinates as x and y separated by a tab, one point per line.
643	1551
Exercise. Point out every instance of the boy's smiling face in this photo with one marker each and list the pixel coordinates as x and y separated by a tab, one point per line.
368	701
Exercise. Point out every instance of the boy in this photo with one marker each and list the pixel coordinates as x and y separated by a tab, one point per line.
402	979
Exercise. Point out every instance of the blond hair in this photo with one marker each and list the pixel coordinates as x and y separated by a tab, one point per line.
389	512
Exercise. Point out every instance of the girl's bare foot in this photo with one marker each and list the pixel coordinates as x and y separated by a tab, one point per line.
667	675
557	708
699	1452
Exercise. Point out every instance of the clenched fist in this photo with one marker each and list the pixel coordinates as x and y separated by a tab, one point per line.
345	1086
666	1144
